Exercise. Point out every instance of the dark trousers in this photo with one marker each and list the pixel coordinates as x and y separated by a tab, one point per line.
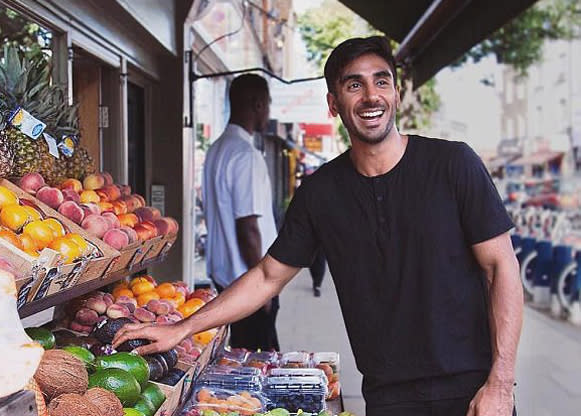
257	331
448	407
317	269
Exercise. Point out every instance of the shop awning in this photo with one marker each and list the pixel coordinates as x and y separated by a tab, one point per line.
433	34
537	158
500	161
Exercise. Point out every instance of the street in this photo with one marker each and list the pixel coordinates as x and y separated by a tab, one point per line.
548	366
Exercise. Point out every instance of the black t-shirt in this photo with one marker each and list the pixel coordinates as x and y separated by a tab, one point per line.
398	246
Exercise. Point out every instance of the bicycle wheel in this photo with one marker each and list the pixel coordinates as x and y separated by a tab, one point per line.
527	283
570	270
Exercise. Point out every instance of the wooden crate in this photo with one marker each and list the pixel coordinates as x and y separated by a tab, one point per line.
127	256
173	394
149	246
59	277
166	243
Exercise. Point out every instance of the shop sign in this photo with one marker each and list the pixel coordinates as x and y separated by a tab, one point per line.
314	144
158	198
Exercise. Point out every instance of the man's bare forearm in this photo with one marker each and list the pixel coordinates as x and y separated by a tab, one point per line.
505	316
247	294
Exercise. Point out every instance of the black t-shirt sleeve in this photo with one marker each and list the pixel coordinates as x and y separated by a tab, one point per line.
482	213
296	242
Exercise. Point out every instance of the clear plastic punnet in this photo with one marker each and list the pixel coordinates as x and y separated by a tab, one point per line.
233	358
330	358
295	359
226	369
293	393
299	372
237	382
223	401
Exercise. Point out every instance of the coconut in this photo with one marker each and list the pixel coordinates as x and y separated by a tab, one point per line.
61	372
70	404
106	401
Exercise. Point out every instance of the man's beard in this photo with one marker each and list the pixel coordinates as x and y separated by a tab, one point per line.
354	132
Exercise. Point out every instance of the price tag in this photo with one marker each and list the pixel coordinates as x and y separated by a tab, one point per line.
23	121
45	285
52	146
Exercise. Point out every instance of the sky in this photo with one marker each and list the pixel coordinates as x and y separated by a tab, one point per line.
464	98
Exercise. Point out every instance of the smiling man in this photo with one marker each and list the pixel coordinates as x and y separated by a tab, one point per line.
417	243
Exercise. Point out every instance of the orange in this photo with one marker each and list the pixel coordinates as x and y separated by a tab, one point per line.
122	284
204	338
14	217
122	291
179	299
136	280
81	242
146	297
56	226
32	213
166	290
11	238
142	287
188	309
40	232
68	249
28	242
7	197
32	253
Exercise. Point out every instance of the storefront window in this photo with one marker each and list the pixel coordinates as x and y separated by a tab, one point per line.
22	32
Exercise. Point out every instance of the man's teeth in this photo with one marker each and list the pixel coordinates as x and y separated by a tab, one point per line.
371	114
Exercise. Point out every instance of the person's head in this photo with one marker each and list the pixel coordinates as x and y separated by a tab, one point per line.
250	101
362	87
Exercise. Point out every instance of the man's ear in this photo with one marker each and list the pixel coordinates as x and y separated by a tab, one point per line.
332	103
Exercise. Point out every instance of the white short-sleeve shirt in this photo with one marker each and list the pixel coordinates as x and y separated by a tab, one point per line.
236	185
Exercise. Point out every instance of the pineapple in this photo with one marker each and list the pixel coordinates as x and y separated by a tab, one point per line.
80	164
26	83
6	155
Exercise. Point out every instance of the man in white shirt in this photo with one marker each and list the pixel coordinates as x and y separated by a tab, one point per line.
237	200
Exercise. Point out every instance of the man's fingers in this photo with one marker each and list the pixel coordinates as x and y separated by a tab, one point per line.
149	349
140	332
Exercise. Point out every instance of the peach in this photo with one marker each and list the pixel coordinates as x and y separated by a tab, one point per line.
108	299
126	299
113	191
125	190
85	329
96	304
155	212
175	225
103	195
144	315
93	181
163	226
119	207
143	232
131	234
107	177
129	220
72	211
31	182
144	214
70	195
91	208
151	226
140	199
112	219
95	225
73	184
116	239
52	197
89	196
105	206
86	316
132	203
118	311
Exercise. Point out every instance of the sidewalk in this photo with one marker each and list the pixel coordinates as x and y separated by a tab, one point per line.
308	323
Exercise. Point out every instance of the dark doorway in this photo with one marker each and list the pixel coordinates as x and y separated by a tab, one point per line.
136	138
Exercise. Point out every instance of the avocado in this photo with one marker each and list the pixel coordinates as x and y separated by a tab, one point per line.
154	394
172	378
43	336
122	383
145	406
130	345
105	331
170	357
132	363
83	354
155	367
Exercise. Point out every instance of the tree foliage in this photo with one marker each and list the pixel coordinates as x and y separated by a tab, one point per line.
519	43
326	26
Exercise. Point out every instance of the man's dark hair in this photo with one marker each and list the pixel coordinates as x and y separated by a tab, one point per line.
245	89
352	49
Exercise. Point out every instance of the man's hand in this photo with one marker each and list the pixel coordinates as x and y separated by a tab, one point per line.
492	400
162	337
